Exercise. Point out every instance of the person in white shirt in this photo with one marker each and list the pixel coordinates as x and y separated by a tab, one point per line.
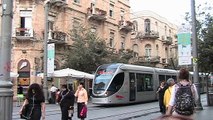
53	90
183	80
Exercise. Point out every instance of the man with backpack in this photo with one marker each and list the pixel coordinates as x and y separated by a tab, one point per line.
183	96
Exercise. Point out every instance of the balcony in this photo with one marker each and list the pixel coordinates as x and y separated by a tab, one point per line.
58	3
23	34
96	14
125	25
150	59
168	40
149	35
57	37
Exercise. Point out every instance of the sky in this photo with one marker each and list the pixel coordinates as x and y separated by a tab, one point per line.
172	10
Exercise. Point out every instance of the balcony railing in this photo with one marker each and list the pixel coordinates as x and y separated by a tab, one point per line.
168	40
150	35
96	14
59	3
125	25
151	59
57	37
23	33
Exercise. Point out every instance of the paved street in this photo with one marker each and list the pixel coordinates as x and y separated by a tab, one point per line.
143	111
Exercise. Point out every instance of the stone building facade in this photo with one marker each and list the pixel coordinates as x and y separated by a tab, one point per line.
109	19
153	39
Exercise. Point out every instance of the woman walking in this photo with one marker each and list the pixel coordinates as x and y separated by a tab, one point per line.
82	99
66	102
35	99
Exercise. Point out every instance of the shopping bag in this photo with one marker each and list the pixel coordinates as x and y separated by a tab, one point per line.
83	113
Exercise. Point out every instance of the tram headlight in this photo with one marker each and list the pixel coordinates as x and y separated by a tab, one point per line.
106	94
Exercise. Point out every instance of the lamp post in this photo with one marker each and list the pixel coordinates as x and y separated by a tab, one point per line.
194	54
6	92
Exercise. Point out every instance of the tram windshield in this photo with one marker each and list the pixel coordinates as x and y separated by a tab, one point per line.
103	77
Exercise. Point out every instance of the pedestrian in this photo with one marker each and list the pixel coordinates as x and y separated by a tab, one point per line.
160	91
167	94
82	99
20	94
183	96
36	101
66	102
53	90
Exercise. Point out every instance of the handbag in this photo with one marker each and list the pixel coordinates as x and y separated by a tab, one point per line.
83	113
24	113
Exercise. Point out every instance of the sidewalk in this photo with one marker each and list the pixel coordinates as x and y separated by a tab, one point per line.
205	114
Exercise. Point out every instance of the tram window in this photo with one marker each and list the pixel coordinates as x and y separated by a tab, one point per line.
175	78
117	82
161	78
167	77
144	82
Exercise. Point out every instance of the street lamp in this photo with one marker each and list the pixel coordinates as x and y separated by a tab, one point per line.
194	54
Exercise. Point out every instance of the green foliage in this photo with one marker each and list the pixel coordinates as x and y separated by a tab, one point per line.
204	28
88	51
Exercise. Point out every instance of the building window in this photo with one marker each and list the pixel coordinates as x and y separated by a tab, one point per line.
156	26
122	14
147	26
167	53
144	82
157	50
111	10
77	1
170	33
165	30
122	42
135	50
148	50
111	39
76	23
26	23
135	26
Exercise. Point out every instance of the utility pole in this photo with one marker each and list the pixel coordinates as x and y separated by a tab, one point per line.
45	88
194	54
6	92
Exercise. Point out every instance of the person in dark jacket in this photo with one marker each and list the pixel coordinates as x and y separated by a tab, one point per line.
35	99
161	90
66	102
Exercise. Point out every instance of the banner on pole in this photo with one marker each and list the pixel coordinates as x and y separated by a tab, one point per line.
50	58
184	49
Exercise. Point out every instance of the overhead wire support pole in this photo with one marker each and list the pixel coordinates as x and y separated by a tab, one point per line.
6	92
195	55
45	88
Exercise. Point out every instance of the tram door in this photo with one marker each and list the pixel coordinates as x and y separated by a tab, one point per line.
132	92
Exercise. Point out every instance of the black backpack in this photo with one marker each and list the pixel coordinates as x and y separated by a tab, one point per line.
184	100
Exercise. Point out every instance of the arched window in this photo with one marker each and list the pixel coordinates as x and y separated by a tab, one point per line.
148	50
147	25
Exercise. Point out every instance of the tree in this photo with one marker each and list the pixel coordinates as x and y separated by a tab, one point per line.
88	51
204	28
